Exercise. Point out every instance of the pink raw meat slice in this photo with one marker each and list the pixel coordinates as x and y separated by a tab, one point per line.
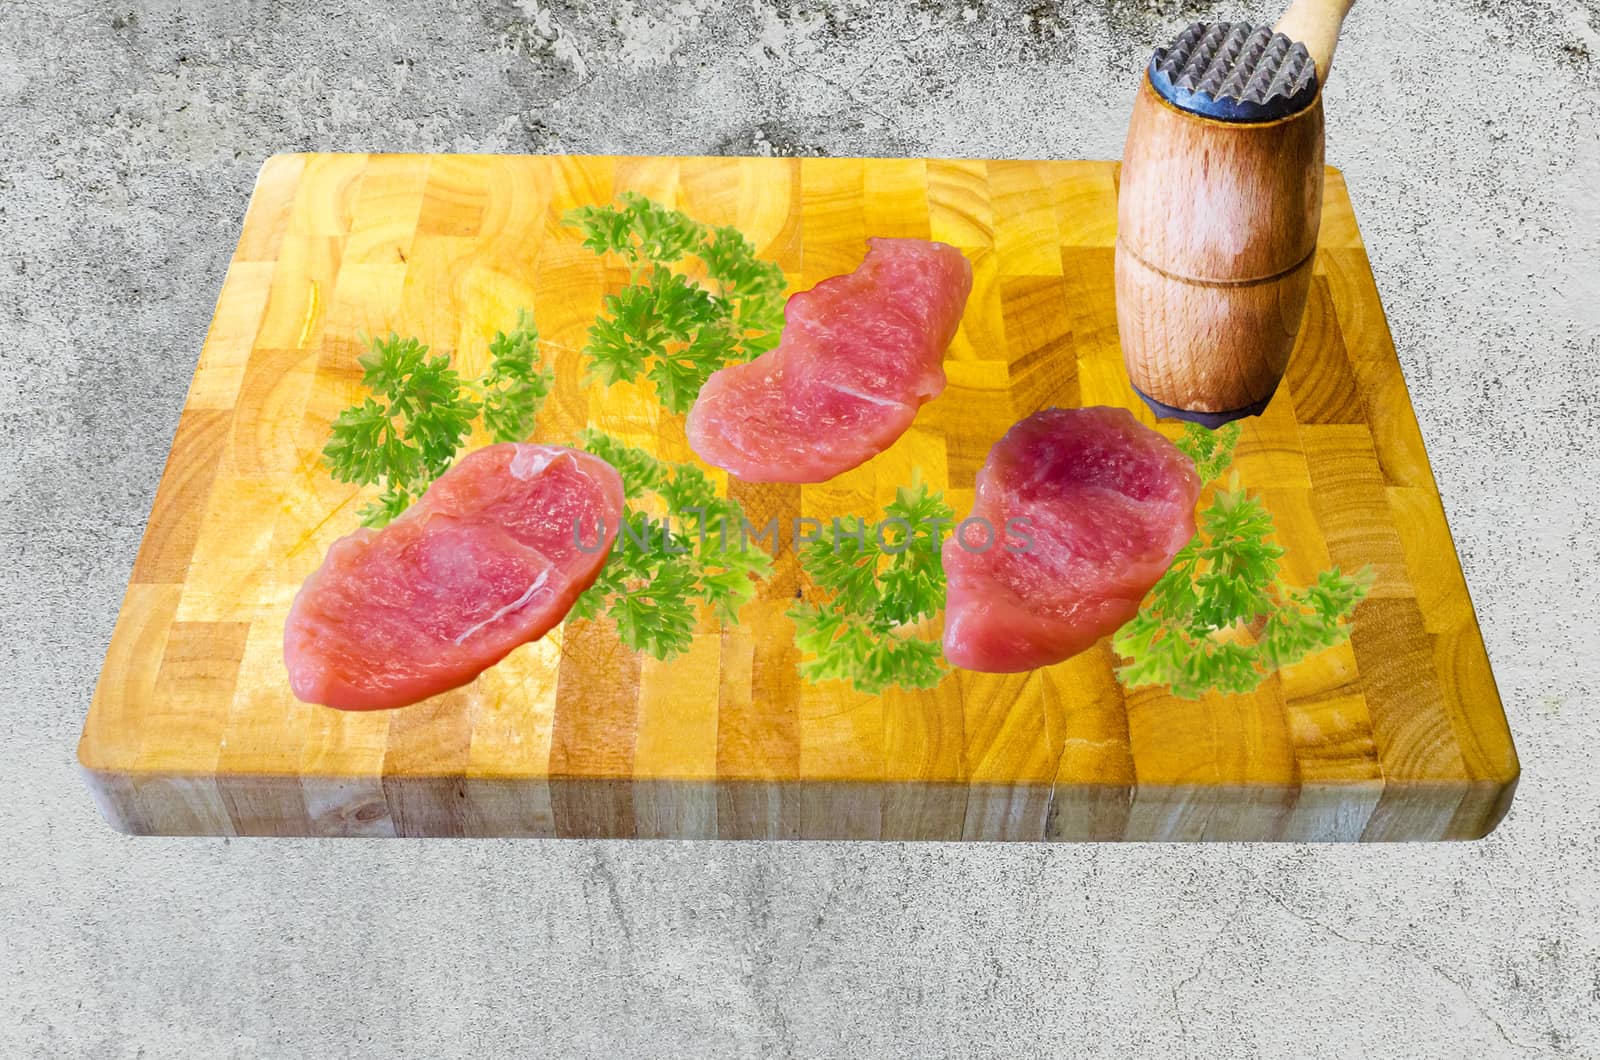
860	354
776	424
1107	504
486	560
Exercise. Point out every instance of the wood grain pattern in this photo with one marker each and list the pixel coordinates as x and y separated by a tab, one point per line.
1316	24
1398	734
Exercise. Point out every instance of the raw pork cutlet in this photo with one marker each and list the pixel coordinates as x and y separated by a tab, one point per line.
860	354
486	560
1107	504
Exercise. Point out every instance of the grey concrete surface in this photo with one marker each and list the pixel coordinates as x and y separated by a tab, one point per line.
129	137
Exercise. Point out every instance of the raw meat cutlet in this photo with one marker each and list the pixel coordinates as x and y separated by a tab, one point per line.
1107	504
776	423
860	354
486	560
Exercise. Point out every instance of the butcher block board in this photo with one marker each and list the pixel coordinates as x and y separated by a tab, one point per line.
1396	735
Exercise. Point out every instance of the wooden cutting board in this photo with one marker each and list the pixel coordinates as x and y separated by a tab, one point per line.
1398	734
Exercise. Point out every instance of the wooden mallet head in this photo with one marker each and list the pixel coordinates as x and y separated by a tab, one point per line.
1219	204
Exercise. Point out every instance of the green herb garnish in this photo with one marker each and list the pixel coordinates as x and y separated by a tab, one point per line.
681	545
421	411
1220	619
874	582
517	383
406	434
662	324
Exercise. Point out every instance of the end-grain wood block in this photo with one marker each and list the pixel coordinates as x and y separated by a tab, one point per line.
1398	734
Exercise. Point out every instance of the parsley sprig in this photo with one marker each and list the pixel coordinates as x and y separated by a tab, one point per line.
1221	619
663	325
407	432
517	383
681	546
874	581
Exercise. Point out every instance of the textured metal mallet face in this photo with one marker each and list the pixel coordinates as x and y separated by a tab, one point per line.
1233	71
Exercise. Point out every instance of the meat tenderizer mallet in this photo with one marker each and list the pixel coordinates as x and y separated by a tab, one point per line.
1220	199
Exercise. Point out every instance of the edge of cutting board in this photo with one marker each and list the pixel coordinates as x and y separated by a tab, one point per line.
140	798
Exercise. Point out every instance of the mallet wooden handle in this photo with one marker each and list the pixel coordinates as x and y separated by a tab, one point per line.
1315	23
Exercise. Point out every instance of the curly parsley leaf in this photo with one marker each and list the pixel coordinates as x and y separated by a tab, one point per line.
1238	563
665	322
390	503
664	235
664	326
655	611
367	447
843	562
843	647
872	581
605	229
1221	619
679	374
637	229
641	473
517	383
420	411
1211	451
624	338
752	286
407	433
681	546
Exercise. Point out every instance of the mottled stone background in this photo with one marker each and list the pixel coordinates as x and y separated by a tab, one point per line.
130	134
